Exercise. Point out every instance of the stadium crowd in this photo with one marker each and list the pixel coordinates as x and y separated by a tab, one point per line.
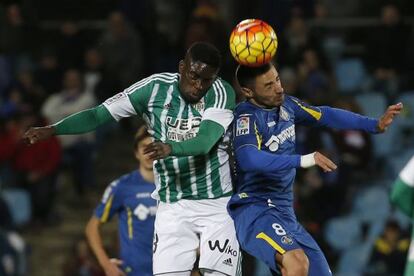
325	57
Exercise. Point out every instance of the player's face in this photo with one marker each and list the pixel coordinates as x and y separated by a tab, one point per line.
268	91
143	159
195	79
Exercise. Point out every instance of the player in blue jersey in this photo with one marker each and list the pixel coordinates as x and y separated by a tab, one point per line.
266	162
129	197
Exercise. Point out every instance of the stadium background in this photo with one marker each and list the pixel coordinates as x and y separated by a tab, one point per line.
350	54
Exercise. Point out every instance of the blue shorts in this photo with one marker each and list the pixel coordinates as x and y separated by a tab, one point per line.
264	229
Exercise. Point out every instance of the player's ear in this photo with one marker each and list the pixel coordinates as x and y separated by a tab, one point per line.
181	65
247	92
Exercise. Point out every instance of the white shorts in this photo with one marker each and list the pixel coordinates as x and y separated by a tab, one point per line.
184	226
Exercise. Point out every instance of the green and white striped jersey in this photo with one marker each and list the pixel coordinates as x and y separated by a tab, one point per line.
157	99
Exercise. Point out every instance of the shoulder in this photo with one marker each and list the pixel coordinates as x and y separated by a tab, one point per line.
245	109
160	79
221	87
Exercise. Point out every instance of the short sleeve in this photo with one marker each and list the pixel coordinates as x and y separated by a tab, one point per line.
110	203
246	131
132	101
220	104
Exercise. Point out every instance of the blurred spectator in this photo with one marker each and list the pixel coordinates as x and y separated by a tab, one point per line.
388	256
33	94
14	32
13	254
354	147
78	149
387	49
71	45
33	169
122	50
315	84
48	73
81	261
97	80
293	41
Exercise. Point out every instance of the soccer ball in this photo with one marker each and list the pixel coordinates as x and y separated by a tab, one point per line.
253	42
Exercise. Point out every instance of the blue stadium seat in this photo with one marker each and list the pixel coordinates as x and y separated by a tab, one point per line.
18	201
397	161
350	74
354	260
343	232
407	116
371	205
372	104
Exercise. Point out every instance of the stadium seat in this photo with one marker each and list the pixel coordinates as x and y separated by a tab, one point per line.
18	201
350	75
354	260
333	48
347	228
372	104
371	205
407	116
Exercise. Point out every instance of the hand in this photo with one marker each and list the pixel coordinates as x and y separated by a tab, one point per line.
157	150
36	134
112	268
324	162
386	120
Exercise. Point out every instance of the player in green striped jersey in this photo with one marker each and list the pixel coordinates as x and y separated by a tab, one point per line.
402	196
187	114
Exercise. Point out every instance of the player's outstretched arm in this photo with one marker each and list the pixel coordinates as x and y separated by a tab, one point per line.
208	135
247	159
110	266
386	120
81	122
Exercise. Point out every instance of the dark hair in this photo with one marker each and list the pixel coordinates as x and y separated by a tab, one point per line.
140	135
246	76
206	53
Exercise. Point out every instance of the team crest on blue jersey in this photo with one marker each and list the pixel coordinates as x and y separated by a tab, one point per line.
242	126
283	114
287	240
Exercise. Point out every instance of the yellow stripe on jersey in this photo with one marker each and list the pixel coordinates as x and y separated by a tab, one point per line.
130	232
314	113
271	242
258	137
108	205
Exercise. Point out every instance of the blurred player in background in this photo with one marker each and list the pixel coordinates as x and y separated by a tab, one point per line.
187	114
266	162
129	197
402	196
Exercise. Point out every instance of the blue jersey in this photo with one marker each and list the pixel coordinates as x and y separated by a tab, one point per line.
268	135
266	162
130	198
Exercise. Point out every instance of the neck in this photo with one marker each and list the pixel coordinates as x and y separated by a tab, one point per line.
147	174
252	101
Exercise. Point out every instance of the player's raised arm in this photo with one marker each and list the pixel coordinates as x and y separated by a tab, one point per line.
81	122
342	119
251	158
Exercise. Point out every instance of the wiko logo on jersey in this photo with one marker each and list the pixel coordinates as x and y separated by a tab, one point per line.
275	141
242	126
182	129
225	249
